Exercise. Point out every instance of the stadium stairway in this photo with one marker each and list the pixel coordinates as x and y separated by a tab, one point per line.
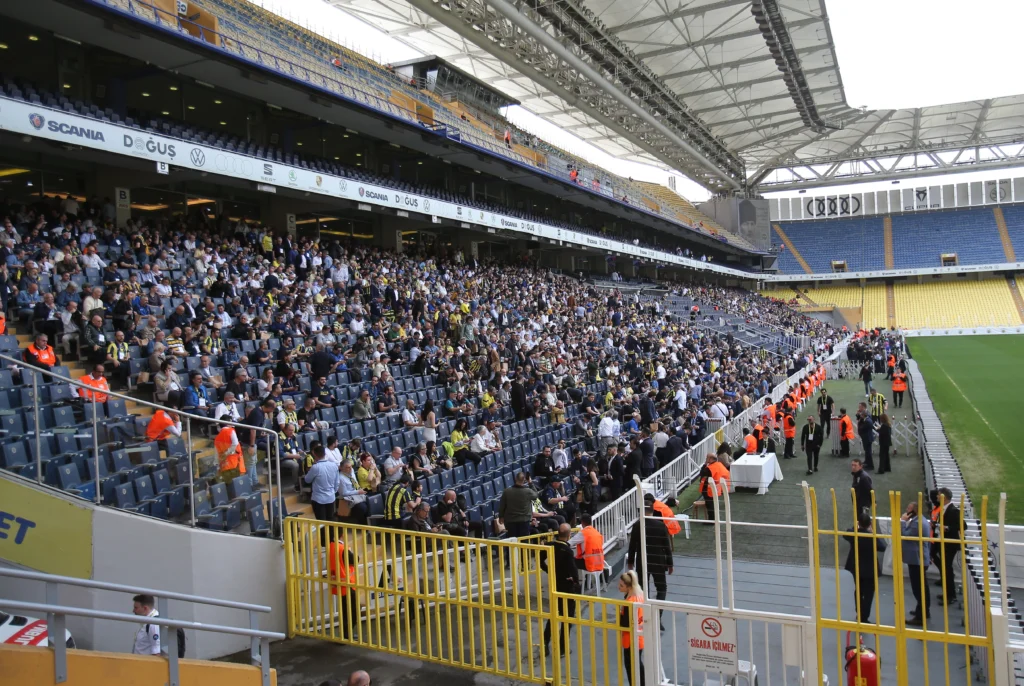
792	249
1004	236
1011	281
890	304
890	254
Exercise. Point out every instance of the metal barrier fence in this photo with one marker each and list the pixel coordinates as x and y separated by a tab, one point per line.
57	613
932	637
478	604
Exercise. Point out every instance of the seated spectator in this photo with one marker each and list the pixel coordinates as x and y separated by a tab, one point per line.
351	496
394	468
556	500
227	408
481	444
196	399
368	475
166	381
459	441
290	455
420	520
453	518
362	407
420	462
40	354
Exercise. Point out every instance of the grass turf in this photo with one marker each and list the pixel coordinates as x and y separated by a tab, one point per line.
973	382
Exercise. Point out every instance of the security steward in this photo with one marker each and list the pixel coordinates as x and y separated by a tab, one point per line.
589	546
899	387
789	431
811	438
890	366
749	441
846	433
667	515
566	581
229	452
825	407
342	570
711	475
39	354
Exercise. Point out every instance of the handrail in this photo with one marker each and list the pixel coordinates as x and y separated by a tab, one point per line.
121	617
272	445
106	586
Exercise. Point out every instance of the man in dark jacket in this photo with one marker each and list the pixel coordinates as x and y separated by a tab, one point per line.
648	463
866	431
862	486
951	532
518	398
861	562
566	581
811	438
633	464
659	551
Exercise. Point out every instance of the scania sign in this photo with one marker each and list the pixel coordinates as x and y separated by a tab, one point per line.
373	195
144	144
38	121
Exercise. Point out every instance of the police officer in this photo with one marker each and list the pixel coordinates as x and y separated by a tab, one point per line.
566	581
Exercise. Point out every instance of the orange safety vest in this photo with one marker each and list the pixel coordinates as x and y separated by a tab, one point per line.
846	428
44	356
591	551
788	404
892	361
805	388
339	571
98	384
758	432
789	426
718	472
899	381
639	623
668	516
232	460
157	429
769	412
750	443
3	323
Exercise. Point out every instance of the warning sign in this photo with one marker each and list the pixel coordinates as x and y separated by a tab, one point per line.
712	644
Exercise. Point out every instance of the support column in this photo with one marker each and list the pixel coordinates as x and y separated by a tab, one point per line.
566	262
387	233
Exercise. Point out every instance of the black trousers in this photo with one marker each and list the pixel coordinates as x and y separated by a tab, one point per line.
897	398
812	457
866	592
826	421
627	659
566	608
709	502
657	573
789	448
345	601
946	560
844	448
869	462
883	458
325	512
517	529
916	587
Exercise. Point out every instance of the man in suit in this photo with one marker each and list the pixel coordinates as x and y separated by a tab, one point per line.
862	487
518	398
866	431
561	562
949	520
659	560
811	438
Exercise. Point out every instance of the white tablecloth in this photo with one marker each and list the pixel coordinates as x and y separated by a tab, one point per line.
755	471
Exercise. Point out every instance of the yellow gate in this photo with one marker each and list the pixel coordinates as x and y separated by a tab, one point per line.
884	592
483	605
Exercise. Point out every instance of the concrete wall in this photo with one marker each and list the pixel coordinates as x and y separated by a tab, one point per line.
139	551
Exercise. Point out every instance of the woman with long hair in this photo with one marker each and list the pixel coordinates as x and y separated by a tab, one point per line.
429	420
629	586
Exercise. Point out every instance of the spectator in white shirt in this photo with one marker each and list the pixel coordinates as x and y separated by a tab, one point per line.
410	418
478	445
227	408
147	638
606	431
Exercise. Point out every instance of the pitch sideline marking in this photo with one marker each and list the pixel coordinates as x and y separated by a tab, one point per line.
977	412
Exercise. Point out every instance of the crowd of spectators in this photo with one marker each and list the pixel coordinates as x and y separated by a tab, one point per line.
235	322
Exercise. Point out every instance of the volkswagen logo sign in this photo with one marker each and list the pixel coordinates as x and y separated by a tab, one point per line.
198	157
342	185
426	205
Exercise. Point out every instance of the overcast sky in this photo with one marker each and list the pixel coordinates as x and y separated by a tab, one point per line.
893	54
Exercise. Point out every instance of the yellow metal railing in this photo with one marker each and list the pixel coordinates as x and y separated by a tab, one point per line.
462	602
899	632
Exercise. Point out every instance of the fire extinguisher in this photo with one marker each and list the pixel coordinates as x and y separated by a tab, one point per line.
861	665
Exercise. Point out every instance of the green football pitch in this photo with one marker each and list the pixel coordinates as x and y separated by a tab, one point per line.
974	382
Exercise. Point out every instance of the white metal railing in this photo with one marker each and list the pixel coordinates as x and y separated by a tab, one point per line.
273	454
56	614
615	519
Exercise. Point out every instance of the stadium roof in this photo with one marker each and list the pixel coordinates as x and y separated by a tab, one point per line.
729	88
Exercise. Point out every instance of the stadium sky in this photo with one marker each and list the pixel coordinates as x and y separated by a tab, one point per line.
892	55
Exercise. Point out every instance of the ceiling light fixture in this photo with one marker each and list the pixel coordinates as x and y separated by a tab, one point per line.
33	38
145	94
